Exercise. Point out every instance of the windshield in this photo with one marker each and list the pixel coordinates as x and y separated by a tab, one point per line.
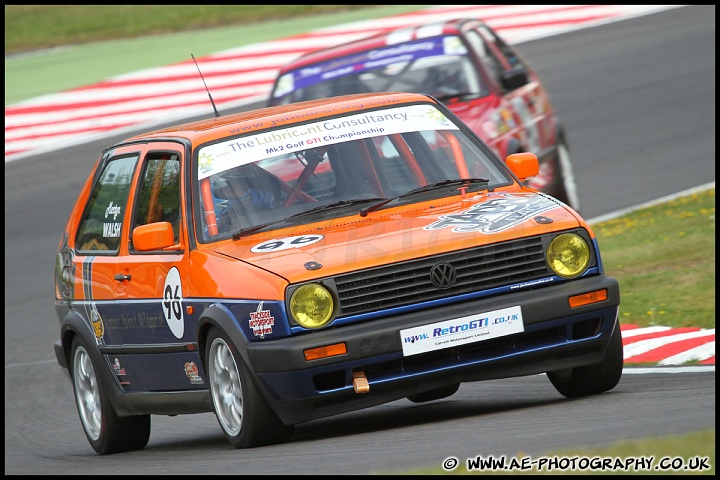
336	167
438	66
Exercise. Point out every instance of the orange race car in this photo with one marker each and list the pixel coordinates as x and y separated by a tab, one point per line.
305	260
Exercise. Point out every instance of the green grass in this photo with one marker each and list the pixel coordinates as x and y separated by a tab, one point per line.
664	259
33	27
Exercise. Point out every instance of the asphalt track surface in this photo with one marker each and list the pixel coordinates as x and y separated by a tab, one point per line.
637	97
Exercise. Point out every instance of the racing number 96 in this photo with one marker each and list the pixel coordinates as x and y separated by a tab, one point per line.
172	302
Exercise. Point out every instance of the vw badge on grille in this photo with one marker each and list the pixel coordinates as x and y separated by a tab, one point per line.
443	275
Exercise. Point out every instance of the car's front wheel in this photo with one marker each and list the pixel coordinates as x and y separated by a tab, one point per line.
245	417
104	429
592	379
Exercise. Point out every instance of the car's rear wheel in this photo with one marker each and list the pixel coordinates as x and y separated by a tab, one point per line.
592	379
106	432
436	394
245	417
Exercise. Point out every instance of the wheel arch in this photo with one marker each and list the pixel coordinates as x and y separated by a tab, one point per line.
75	326
220	317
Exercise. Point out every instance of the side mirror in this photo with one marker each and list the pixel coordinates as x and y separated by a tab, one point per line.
154	236
514	78
524	165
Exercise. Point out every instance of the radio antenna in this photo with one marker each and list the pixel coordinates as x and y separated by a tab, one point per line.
206	87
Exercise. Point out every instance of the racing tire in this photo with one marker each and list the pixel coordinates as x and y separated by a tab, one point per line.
436	394
244	416
569	194
592	379
106	432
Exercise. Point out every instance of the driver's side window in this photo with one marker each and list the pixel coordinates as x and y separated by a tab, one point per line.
486	55
158	198
102	220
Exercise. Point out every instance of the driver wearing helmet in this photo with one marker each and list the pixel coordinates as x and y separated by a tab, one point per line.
239	196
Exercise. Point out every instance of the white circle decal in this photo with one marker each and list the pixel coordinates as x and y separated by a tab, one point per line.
172	303
285	243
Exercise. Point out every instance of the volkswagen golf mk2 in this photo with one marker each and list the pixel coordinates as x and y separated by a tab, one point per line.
306	260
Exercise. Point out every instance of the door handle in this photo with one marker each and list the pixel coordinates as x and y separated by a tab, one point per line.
121	277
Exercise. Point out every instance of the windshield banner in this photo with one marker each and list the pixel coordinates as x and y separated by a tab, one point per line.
355	64
223	156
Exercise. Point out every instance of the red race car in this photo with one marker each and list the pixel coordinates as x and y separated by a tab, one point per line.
461	62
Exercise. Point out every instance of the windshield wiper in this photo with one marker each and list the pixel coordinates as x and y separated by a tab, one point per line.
426	188
255	228
334	205
329	206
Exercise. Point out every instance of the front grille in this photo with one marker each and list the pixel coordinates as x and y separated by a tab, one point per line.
477	269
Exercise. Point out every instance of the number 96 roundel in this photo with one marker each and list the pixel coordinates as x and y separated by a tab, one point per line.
172	303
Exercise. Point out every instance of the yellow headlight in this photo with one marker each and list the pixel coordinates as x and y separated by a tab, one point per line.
312	305
568	255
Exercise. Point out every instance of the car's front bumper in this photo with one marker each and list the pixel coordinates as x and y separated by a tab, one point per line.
555	337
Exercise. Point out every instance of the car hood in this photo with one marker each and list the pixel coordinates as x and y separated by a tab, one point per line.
399	234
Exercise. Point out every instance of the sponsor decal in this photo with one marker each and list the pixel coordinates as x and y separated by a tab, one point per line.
495	215
119	372
508	122
172	303
491	128
392	58
117	368
261	322
97	323
460	331
191	370
112	229
530	284
229	154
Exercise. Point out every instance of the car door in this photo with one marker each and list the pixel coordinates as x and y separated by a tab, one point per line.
99	246
529	101
158	334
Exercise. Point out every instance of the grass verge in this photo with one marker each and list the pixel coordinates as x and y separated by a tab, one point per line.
664	258
33	27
